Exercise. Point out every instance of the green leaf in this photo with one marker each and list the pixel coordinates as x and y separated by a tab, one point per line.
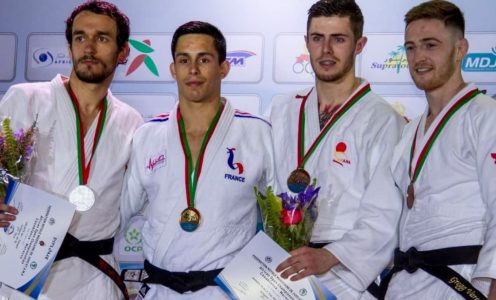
151	65
141	47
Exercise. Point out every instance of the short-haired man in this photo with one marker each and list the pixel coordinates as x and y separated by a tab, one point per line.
342	134
195	168
445	167
84	143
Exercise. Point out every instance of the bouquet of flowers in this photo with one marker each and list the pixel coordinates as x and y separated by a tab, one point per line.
16	149
288	219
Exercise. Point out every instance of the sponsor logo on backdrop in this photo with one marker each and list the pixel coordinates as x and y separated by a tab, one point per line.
238	58
302	64
292	60
245	58
396	60
44	57
480	62
144	48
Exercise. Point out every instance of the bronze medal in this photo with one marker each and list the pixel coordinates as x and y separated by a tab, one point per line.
190	219
410	196
298	180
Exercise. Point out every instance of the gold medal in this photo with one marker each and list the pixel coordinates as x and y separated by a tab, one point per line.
190	219
298	180
410	196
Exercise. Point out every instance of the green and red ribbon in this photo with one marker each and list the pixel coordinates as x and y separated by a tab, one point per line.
302	156
435	134
83	167
192	173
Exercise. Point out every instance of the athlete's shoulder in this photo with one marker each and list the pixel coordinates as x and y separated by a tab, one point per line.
238	114
159	118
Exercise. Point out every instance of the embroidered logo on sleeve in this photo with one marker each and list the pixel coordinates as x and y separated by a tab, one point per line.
493	156
339	155
235	166
155	162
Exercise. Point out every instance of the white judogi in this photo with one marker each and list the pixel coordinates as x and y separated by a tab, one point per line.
55	169
228	207
359	206
455	196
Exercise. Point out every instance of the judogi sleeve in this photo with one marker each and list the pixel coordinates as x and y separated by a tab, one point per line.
17	104
133	196
367	249
270	174
484	137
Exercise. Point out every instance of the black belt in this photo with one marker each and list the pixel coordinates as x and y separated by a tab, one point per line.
434	262
90	252
317	245
180	282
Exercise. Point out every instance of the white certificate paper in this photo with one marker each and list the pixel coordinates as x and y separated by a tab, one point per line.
29	245
251	275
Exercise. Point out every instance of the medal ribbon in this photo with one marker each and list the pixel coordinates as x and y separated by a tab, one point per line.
83	168
193	173
302	156
435	134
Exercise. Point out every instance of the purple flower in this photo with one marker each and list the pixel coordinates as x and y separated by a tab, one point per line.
304	199
29	151
289	202
1	140
19	135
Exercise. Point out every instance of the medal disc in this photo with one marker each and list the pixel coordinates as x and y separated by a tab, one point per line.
190	219
410	196
82	197
298	180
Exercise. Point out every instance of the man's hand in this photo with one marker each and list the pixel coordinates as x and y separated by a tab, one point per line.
7	214
307	261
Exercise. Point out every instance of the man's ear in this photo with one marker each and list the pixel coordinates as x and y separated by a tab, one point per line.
225	67
172	68
360	44
123	54
461	49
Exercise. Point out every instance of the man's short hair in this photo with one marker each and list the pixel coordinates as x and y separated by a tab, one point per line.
339	8
199	27
444	11
101	8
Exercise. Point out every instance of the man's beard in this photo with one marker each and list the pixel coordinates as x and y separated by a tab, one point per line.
336	76
91	76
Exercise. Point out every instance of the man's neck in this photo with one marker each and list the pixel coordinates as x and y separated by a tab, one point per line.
437	99
336	93
89	95
197	116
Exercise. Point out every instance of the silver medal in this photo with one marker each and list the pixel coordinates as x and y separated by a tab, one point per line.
82	197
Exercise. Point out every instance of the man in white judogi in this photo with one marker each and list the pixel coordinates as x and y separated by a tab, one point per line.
445	167
97	34
347	135
195	168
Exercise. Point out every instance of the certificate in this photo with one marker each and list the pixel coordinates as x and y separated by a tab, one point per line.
251	275
28	246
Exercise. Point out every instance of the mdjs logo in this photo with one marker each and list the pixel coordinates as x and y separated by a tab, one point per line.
480	62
